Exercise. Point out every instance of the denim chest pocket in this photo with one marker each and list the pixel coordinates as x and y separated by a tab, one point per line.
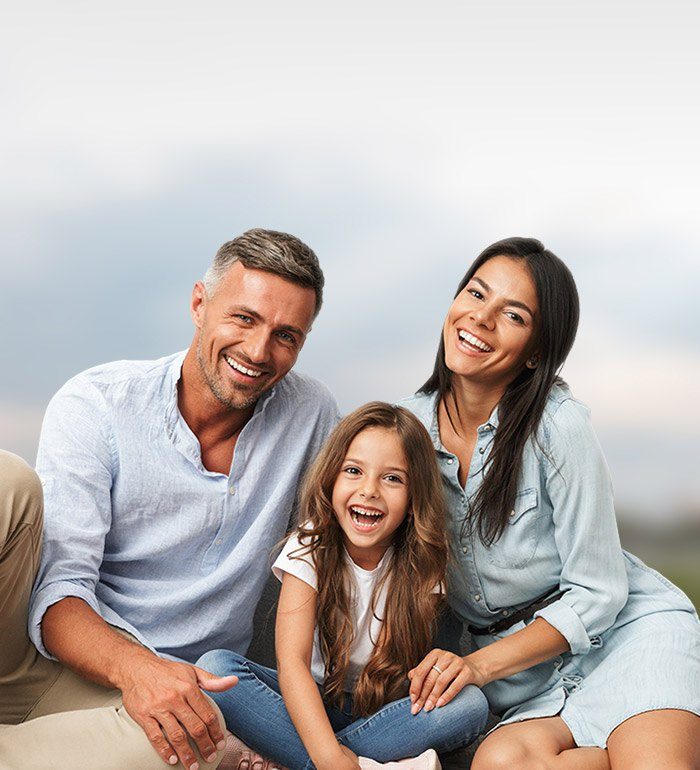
516	546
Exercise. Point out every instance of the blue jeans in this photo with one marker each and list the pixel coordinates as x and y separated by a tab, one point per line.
254	710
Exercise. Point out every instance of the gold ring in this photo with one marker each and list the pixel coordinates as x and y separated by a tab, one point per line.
439	670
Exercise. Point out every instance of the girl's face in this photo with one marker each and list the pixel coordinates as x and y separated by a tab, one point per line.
370	495
490	330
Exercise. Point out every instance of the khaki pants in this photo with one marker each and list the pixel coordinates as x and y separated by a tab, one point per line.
50	718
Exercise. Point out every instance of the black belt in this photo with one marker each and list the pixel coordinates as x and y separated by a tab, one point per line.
523	614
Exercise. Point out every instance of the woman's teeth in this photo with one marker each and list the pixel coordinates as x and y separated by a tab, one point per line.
365	518
475	341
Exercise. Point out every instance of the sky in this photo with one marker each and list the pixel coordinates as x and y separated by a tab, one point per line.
398	140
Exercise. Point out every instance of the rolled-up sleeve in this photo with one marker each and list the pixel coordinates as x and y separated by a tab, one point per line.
75	463
593	575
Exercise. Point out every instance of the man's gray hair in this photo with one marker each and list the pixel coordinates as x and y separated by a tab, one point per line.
274	252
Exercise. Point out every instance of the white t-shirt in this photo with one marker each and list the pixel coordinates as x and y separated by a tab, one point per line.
366	623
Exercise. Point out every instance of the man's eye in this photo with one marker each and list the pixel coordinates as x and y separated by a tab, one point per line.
245	318
285	337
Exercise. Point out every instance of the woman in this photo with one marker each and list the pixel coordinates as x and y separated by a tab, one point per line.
580	646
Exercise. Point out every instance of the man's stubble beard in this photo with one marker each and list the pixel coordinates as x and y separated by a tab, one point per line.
213	381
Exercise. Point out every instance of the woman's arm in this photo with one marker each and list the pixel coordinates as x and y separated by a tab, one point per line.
534	644
592	575
294	636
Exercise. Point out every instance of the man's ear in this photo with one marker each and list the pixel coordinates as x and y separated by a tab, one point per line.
198	304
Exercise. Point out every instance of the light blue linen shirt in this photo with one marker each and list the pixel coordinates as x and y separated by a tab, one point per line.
561	535
136	526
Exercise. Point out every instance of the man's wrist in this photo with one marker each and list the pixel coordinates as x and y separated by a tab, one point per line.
126	663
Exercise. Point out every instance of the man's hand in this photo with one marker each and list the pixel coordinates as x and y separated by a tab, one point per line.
165	699
438	678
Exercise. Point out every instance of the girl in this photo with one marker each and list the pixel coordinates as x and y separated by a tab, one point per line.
361	580
580	646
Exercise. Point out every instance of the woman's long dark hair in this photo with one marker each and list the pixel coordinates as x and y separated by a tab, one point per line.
520	409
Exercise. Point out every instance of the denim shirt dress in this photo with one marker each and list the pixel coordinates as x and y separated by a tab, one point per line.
634	637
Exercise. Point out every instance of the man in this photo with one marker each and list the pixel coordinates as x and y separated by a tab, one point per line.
166	485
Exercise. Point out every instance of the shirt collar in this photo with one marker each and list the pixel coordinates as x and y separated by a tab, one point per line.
426	410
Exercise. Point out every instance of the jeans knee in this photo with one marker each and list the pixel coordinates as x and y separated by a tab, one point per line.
222	662
472	706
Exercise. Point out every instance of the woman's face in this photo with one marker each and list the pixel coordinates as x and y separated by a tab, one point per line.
491	328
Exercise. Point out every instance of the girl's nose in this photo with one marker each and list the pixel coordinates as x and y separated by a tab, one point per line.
369	488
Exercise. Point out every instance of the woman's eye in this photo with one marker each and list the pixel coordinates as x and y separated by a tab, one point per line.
515	317
476	293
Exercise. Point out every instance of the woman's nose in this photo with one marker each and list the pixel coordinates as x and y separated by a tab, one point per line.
483	315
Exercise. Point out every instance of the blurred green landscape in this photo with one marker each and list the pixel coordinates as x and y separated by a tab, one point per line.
673	550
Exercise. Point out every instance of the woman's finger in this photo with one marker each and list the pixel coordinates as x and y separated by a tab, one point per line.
458	684
418	674
447	675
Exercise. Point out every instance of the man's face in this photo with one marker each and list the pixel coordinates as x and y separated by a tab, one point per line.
250	332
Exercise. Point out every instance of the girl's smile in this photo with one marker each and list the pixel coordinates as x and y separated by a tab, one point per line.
370	495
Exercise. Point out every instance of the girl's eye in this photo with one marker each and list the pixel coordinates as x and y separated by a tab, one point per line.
352	470
394	479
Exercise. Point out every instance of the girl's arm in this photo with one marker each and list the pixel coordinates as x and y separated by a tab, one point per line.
294	636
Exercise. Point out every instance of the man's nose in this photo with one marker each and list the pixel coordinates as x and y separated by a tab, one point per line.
257	346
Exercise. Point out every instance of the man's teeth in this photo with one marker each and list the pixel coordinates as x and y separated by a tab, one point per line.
240	368
472	340
365	518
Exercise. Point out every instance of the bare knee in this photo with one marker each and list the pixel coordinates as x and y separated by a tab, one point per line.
506	755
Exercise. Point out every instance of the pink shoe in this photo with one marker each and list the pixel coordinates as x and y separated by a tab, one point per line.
238	756
428	760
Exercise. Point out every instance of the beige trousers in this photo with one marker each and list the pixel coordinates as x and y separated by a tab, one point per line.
50	718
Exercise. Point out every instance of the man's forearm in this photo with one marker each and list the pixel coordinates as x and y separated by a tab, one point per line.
75	634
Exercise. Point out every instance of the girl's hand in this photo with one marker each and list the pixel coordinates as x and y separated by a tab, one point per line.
438	678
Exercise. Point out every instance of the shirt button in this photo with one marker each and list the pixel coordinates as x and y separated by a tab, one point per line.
504	612
465	549
512	513
481	450
219	541
477	597
232	489
450	461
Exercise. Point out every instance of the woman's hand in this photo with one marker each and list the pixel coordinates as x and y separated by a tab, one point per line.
438	678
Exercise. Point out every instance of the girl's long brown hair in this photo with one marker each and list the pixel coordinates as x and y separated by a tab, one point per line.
417	565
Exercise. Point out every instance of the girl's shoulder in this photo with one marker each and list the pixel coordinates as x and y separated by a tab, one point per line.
296	559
